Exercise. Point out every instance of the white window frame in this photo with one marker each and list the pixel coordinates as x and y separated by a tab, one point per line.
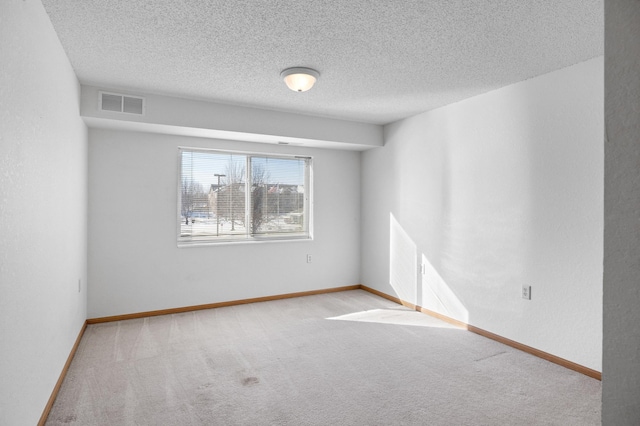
306	235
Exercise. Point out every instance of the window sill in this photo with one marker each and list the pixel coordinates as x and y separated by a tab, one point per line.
210	243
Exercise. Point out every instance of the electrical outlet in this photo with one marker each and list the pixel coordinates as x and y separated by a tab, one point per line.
79	284
308	258
526	292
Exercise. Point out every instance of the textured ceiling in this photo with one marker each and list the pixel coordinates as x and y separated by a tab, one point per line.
379	60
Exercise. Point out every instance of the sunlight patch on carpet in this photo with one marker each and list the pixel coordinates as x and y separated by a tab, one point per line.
398	316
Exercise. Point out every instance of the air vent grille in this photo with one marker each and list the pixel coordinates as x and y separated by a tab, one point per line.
116	102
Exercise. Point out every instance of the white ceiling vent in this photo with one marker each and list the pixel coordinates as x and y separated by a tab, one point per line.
121	103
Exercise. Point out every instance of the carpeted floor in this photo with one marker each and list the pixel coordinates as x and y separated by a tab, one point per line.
348	358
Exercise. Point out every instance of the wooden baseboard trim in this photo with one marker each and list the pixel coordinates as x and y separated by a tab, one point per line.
63	374
381	294
540	354
218	304
528	349
444	318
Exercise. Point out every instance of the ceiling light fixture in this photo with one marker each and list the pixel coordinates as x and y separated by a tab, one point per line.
300	79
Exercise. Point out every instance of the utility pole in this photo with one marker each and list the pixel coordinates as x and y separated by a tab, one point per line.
217	200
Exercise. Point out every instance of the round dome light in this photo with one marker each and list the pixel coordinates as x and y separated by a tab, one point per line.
300	79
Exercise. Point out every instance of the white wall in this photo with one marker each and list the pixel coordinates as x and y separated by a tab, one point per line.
621	358
43	199
498	191
135	264
190	117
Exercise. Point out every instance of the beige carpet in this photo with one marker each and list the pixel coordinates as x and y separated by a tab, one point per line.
348	358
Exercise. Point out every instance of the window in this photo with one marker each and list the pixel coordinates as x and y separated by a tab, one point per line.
230	196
